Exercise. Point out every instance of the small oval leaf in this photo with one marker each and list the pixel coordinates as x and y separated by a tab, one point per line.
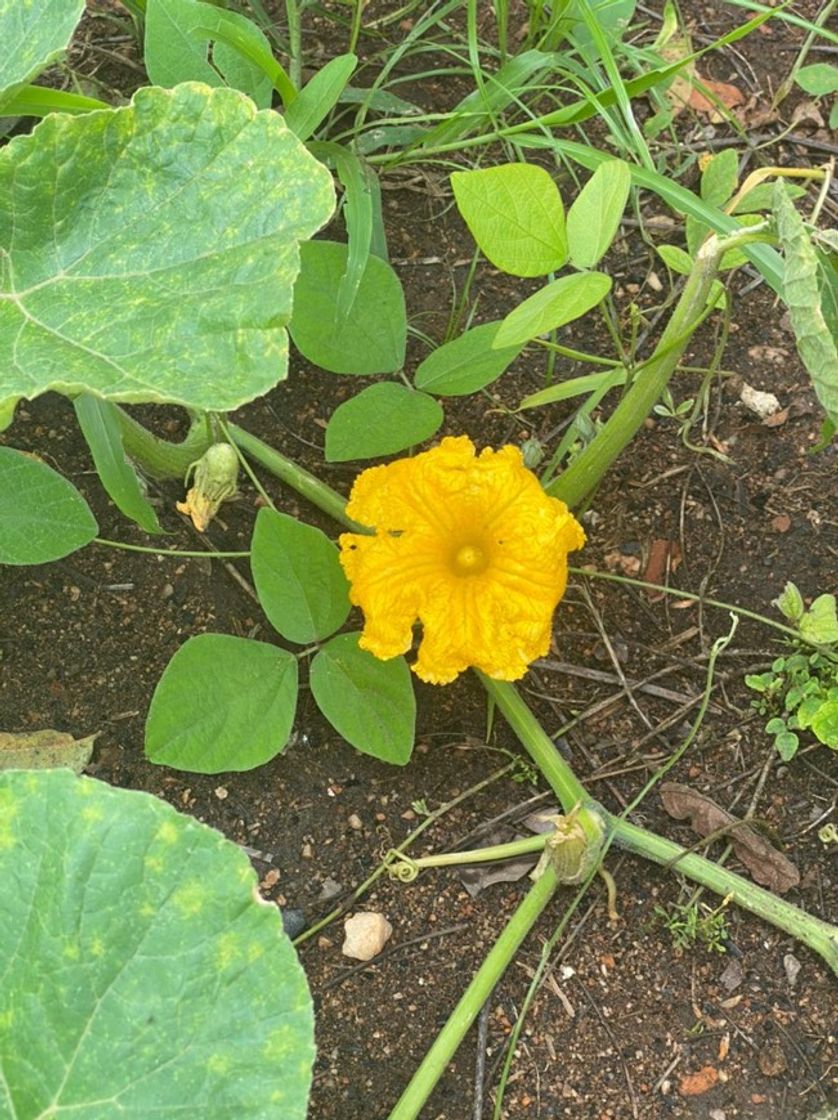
223	703
381	420
298	578
372	337
42	516
465	364
595	216
515	215
560	302
369	702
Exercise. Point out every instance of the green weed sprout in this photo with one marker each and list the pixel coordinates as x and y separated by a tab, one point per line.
800	692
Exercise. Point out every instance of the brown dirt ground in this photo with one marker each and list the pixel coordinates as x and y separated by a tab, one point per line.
624	1018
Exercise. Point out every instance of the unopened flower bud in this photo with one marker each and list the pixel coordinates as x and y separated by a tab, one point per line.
214	478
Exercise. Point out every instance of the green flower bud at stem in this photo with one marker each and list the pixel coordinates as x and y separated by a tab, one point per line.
533	453
574	847
214	476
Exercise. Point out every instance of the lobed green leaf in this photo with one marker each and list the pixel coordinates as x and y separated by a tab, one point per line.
178	34
141	974
816	343
150	251
33	34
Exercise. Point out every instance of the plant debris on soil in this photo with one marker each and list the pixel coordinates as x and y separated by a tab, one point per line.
625	1025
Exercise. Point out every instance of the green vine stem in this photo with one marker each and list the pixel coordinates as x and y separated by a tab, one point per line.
818	935
559	775
811	931
317	492
449	1038
159	457
577	483
406	868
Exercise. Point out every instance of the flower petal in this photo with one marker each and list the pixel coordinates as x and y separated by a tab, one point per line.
431	511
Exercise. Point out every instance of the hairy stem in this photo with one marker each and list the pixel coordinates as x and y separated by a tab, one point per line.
158	457
317	492
818	935
583	475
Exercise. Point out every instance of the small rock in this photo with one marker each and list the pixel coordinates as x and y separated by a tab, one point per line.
307	852
763	404
331	889
695	1084
221	793
270	879
293	921
732	976
792	966
366	935
355	822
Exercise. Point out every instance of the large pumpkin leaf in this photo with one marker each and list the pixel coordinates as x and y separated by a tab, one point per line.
816	343
141	976
149	253
33	34
178	34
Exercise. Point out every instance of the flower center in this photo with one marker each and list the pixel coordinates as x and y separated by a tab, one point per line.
469	560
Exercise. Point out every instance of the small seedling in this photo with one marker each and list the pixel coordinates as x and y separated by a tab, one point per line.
800	692
693	924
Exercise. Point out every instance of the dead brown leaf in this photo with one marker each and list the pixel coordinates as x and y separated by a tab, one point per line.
664	557
776	418
807	111
767	866
43	750
476	877
684	92
720	92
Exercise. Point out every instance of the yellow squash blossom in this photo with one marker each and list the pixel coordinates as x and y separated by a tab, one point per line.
471	546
